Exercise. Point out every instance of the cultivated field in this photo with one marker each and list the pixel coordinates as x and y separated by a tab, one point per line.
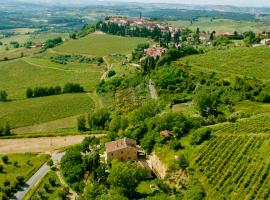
256	124
39	110
59	125
224	25
251	62
27	165
100	45
235	167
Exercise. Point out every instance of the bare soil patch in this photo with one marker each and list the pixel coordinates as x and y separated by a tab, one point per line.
44	144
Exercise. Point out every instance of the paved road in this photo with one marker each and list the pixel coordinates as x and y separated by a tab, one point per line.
152	90
37	176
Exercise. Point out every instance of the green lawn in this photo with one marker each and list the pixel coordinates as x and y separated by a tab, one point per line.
224	25
16	76
52	193
23	169
100	45
39	110
251	62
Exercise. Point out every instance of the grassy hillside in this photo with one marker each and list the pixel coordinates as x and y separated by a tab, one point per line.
251	62
38	110
16	76
100	45
236	167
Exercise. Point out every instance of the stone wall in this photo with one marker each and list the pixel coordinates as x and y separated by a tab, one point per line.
159	168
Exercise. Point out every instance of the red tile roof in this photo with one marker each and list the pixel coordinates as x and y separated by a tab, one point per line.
120	144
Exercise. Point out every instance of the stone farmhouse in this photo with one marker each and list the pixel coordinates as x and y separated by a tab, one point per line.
124	149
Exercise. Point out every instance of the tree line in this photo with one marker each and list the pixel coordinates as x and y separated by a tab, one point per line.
163	37
49	91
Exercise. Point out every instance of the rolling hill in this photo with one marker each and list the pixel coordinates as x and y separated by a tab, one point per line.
250	62
100	45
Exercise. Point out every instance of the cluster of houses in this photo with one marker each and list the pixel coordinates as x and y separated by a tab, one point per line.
141	23
155	52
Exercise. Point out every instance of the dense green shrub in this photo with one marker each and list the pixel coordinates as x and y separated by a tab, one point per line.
81	123
139	51
125	177
147	110
195	191
221	41
73	88
5	130
3	95
264	97
206	103
174	54
99	119
5	159
52	43
109	85
111	73
200	135
72	168
182	161
43	91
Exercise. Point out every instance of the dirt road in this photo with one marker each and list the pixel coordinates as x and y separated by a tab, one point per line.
152	89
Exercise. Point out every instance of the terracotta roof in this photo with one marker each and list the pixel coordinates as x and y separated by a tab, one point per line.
120	144
155	52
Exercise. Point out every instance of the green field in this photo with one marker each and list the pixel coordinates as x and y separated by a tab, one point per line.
235	167
39	110
52	193
250	62
42	37
100	45
22	38
16	76
224	25
23	168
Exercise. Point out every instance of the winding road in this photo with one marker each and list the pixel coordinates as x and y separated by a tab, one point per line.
37	176
152	90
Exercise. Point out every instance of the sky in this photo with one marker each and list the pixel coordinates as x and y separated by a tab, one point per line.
256	3
260	3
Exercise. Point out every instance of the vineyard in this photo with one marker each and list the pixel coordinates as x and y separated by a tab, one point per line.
237	167
253	125
250	62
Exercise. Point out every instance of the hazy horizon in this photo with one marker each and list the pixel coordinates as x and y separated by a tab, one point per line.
242	3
